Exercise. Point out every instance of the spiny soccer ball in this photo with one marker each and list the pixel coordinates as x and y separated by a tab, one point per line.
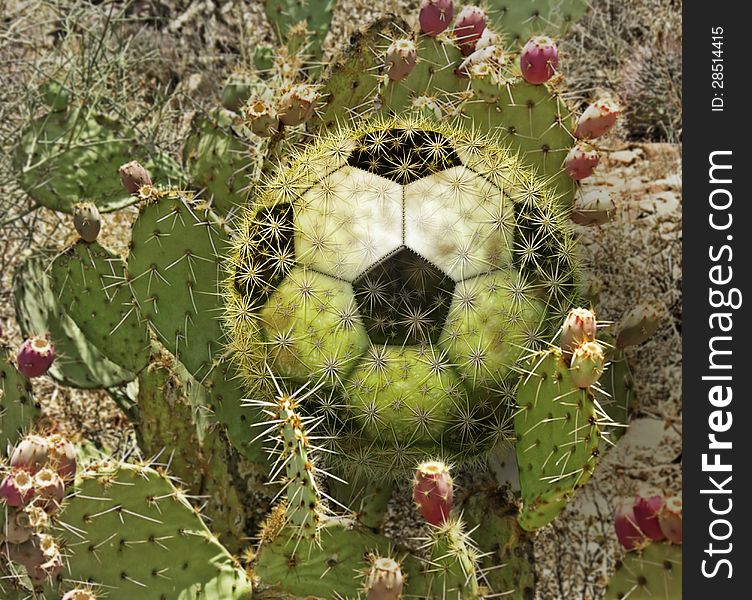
405	268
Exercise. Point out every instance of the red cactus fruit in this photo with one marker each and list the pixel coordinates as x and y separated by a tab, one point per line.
647	507
31	453
298	104
579	327
385	580
17	488
133	176
539	60
401	57
50	489
597	119
581	161
670	519
468	28
435	16
625	524
35	356
61	455
432	490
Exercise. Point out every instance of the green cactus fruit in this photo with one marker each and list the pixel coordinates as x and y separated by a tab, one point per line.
557	438
520	20
79	362
68	156
286	16
652	573
18	409
89	283
639	324
127	528
219	161
87	221
174	424
533	121
388	265
507	560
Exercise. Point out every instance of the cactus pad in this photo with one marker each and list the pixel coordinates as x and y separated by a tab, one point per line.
654	573
405	271
17	406
557	438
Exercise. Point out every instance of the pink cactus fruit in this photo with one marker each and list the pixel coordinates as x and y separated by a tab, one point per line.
134	176
432	491
35	356
597	119
401	57
468	28
61	455
670	519
435	16
298	104
50	489
579	327
261	118
539	59
17	488
593	207
581	161
587	364
647	506
385	580
31	453
79	594
625	524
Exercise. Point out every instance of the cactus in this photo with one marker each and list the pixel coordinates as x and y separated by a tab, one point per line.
653	572
287	15
18	409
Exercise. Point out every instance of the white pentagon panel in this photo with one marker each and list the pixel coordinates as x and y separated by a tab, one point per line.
460	222
348	221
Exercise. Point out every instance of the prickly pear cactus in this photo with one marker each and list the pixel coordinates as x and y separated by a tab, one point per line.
404	267
18	409
653	572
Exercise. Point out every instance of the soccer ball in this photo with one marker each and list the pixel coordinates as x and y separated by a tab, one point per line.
404	269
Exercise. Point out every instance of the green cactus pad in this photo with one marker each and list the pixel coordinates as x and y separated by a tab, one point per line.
533	121
174	424
89	282
366	498
452	570
174	270
18	409
619	399
335	566
507	563
518	21
72	156
654	573
317	15
128	529
219	162
409	306
78	362
557	438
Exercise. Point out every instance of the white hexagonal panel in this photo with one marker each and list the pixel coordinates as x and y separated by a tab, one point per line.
348	221
460	222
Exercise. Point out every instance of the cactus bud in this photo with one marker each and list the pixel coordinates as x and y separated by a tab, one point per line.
468	28
17	488
627	531
261	118
581	161
579	327
639	324
670	519
432	490
134	176
87	221
401	57
435	16
539	60
597	119
62	456
298	104
587	364
35	356
595	207
31	453
50	489
385	580
647	507
79	594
